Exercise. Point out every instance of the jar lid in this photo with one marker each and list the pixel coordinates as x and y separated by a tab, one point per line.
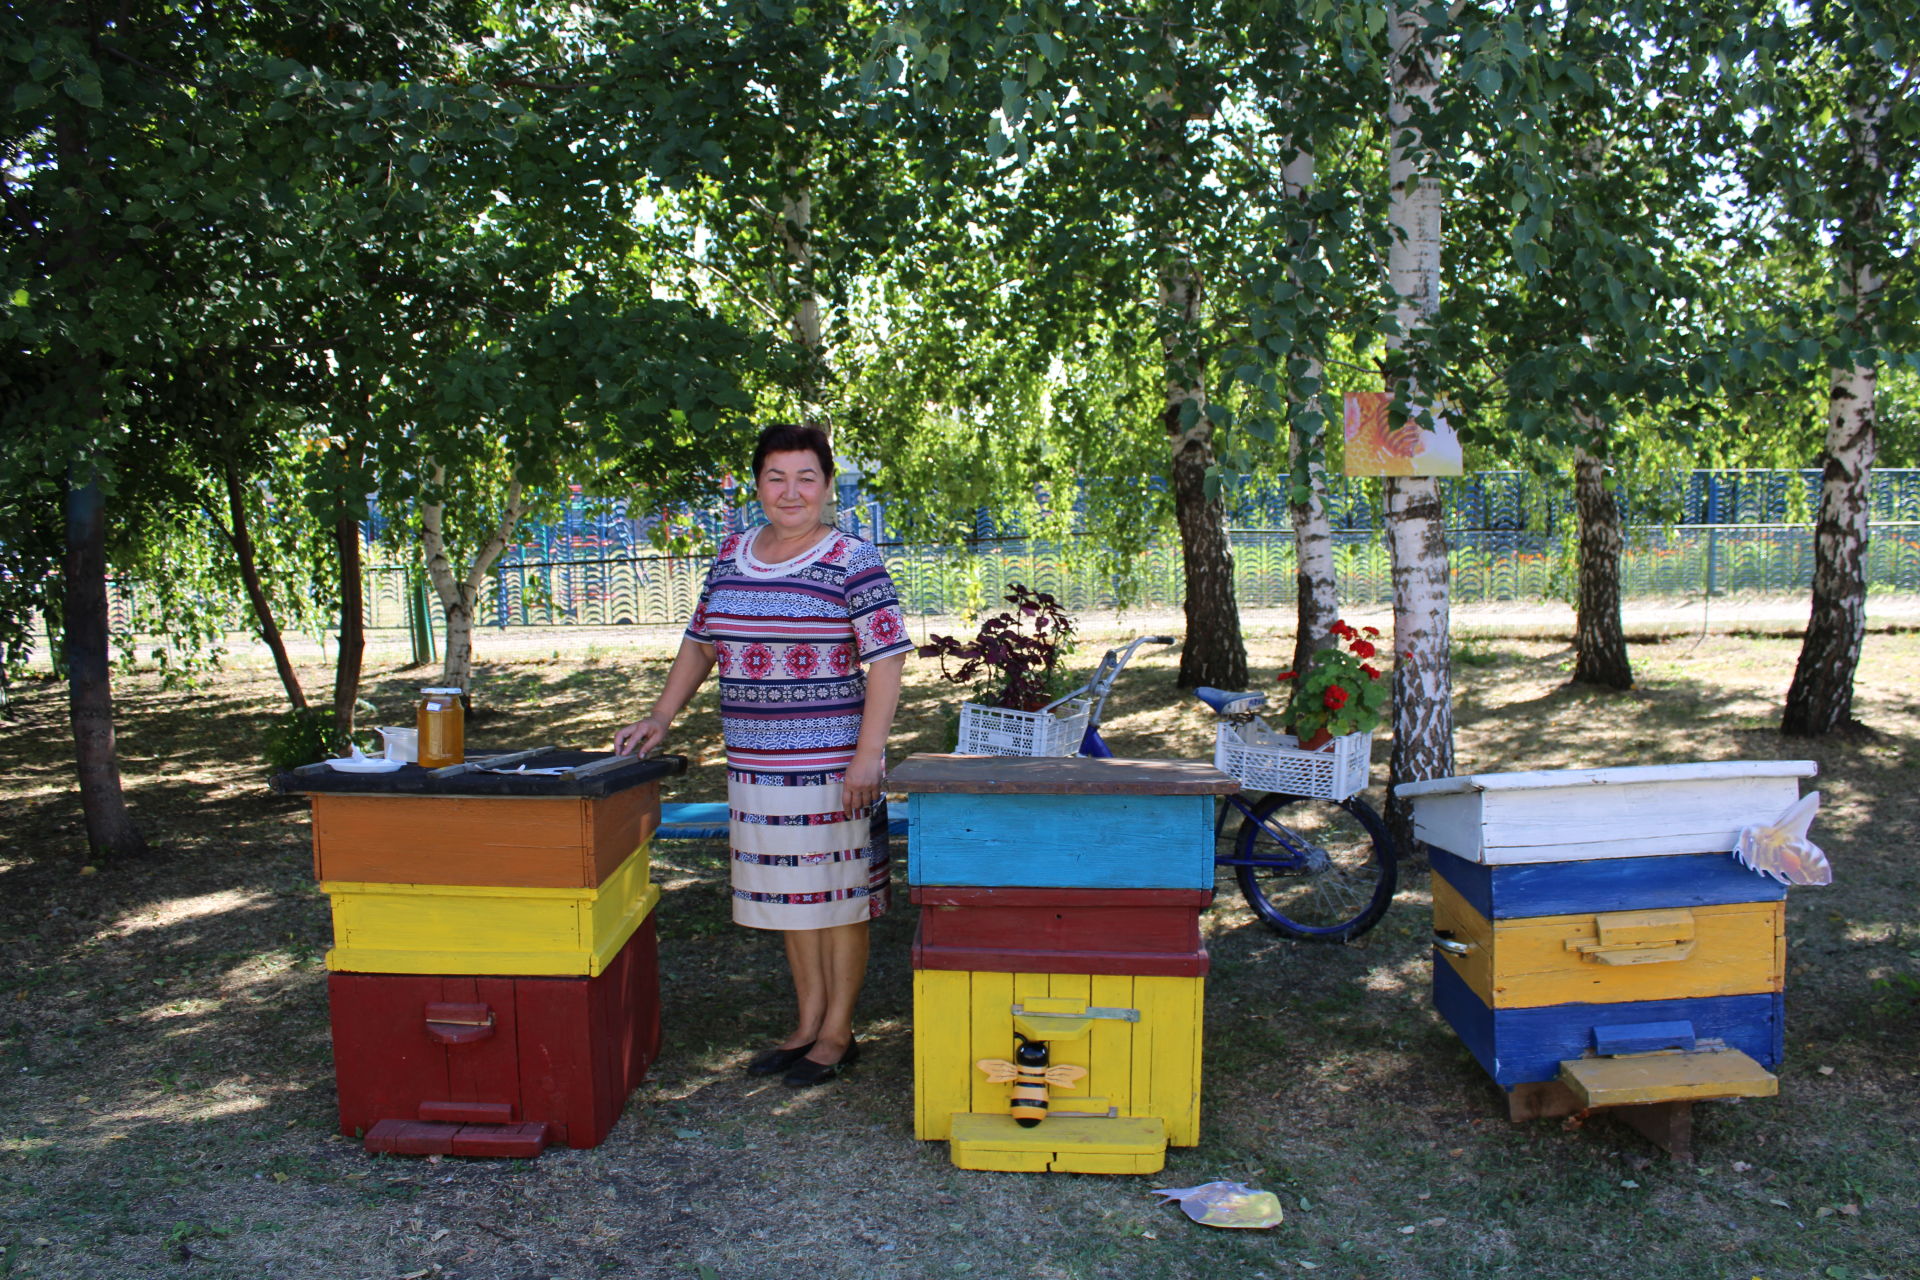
447	690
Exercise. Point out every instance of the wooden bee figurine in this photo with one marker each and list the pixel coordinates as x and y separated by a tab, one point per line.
1030	1076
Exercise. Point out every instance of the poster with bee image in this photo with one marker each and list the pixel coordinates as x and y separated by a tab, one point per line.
1375	447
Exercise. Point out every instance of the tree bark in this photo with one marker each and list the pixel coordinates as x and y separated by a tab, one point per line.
239	536
1316	587
1415	517
460	597
1214	652
1599	640
111	832
353	635
1820	698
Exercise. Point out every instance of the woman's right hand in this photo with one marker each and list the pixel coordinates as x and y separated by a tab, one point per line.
640	737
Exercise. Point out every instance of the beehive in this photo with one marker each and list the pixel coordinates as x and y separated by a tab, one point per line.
1594	935
495	970
1060	902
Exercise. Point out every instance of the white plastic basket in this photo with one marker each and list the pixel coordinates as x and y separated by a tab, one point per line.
996	731
1261	759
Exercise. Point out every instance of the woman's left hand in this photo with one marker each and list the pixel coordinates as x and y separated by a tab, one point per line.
865	779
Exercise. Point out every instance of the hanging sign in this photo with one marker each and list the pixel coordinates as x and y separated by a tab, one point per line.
1375	448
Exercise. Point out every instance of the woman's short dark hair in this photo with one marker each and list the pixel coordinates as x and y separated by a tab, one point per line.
787	437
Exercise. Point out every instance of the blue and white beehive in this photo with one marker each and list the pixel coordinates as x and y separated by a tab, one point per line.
1595	942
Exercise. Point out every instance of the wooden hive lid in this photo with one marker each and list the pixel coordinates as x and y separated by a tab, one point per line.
1057	775
1540	780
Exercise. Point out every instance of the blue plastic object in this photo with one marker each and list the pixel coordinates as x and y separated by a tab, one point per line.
709	822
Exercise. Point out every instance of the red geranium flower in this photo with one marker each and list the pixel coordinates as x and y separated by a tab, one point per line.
1372	674
1335	697
1363	649
1372	631
1284	675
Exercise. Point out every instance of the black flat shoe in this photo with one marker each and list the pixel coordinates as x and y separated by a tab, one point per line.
808	1072
774	1061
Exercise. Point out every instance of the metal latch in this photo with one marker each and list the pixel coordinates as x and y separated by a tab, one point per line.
1638	937
1060	1018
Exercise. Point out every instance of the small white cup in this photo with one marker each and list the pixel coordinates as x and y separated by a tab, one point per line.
400	744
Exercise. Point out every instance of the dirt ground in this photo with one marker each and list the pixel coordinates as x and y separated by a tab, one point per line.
166	1102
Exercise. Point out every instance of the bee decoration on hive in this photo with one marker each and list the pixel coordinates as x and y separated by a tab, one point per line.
1031	1077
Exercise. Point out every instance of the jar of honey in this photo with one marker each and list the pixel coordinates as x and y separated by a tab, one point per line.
442	720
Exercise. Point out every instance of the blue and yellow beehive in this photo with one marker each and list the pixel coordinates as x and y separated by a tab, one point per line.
1595	942
1035	861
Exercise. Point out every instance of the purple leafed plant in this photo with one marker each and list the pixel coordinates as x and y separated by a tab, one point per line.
1007	666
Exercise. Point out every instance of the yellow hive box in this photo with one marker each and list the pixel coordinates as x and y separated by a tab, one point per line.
478	929
1611	957
1138	1038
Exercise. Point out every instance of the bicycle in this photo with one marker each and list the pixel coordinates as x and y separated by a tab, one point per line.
1325	874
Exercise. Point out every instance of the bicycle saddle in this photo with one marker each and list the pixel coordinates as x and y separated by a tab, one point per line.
1231	704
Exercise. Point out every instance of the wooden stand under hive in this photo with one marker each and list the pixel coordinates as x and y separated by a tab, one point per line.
1596	945
495	980
1058	970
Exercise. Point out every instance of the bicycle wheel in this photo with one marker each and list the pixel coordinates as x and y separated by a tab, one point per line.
1316	870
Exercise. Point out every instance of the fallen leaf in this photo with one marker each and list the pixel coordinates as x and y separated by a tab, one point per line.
83	1098
1436	1222
1457	1152
417	1275
1149	1235
1826	1071
1774	1200
441	1234
1850	1210
1629	1184
1824	1211
88	871
1308	1266
1741	1166
1407	1231
279	1177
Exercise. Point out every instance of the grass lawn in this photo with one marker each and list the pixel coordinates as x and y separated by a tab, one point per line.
166	1099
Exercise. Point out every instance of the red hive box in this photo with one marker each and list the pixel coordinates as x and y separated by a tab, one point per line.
1148	932
427	1054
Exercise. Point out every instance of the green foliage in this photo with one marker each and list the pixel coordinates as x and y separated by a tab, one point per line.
300	735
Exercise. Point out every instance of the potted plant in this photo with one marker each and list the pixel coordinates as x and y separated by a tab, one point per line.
1007	666
1341	691
1013	665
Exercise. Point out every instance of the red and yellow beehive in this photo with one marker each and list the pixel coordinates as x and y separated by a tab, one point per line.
1059	905
494	978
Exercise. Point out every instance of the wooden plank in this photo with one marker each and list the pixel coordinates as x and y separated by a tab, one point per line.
1627	820
500	1141
411	1138
1170	1018
614	826
1075	1161
1668	1125
1195	964
1114	921
1080	841
1552	779
485	929
487	1069
1110	1135
1735	949
990	1035
1518	1045
1502	891
1541	1100
1078	1051
1640	1079
525	841
943	1068
1111	1041
1644	1037
384	1065
1056	775
467	1112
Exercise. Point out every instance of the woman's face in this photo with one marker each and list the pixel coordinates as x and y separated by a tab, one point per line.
792	490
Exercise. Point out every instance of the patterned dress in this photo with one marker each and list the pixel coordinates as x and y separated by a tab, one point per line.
788	642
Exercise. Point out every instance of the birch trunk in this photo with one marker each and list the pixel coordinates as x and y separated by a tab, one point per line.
1820	698
1316	589
1599	639
239	534
460	596
1415	517
803	298
111	832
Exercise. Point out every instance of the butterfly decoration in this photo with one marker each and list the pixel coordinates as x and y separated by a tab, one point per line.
1227	1204
1781	849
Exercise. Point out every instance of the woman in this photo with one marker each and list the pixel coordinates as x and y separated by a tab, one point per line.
789	613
